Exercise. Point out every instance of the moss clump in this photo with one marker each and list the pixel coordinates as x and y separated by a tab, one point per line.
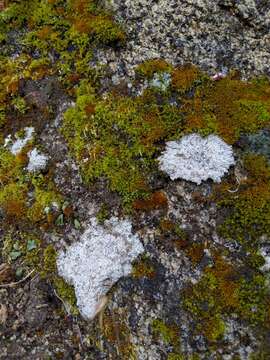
168	333
118	334
117	138
70	29
66	293
103	214
143	268
228	107
185	77
156	200
47	204
49	260
250	210
195	253
16	184
148	68
49	270
12	200
224	290
175	357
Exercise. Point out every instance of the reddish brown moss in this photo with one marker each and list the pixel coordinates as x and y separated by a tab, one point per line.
143	268
228	107
195	253
157	200
184	77
117	333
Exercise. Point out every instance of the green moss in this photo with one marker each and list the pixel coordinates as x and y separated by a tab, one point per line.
49	271
253	296
45	199
103	214
66	293
10	166
175	357
250	210
214	329
117	138
169	333
221	291
62	26
228	107
148	68
49	260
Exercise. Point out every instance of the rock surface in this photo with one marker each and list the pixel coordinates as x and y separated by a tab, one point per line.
215	35
146	316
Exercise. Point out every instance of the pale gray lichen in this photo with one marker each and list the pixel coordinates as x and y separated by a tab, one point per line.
196	159
161	81
20	142
102	256
37	161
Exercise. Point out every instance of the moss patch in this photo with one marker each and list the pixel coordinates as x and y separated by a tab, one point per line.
118	137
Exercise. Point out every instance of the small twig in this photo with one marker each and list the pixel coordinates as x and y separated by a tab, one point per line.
41	306
18	282
63	302
238	182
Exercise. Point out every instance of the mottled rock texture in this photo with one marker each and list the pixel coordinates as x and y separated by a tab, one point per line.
212	34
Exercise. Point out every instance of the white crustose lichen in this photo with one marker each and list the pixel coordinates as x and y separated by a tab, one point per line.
195	158
37	161
102	256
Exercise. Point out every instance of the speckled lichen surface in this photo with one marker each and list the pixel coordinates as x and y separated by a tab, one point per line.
134	180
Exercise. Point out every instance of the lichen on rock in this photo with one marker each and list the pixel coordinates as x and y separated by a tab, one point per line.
20	142
102	256
196	159
37	161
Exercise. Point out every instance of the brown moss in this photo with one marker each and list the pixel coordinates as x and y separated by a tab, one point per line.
117	333
181	243
195	253
44	32
157	200
89	109
143	268
184	77
166	225
227	282
228	107
13	201
80	6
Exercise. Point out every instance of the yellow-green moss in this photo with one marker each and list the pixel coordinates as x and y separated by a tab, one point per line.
228	107
117	138
49	270
143	268
185	77
117	332
222	291
250	208
169	333
61	26
148	68
67	293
